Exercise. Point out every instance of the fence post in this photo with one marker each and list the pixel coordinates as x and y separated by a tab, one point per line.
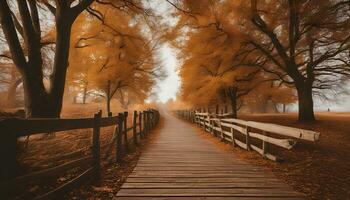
126	144
194	116
8	149
150	125
153	119
157	117
144	123
221	131
134	131
96	143
247	139
210	124
140	122
119	150
233	137
150	120
264	145
147	122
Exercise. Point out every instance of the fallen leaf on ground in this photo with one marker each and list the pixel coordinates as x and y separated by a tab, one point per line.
102	189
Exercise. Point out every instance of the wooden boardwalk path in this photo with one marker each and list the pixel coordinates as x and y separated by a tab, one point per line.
181	164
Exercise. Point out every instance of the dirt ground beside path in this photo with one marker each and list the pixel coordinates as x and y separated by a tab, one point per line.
320	170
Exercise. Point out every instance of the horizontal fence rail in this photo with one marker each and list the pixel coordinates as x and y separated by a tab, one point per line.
13	128
241	133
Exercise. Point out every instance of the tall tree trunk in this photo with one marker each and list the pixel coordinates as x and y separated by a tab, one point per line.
233	100
274	105
305	103
63	29
36	98
38	101
84	93
108	97
264	104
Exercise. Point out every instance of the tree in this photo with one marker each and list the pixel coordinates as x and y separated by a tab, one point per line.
117	56
211	72
39	101
269	96
302	43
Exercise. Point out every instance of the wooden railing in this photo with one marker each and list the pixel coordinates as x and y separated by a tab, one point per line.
12	129
241	133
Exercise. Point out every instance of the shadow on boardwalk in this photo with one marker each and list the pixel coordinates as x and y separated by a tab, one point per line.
182	165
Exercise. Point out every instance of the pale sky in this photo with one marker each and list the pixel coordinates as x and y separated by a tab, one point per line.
168	87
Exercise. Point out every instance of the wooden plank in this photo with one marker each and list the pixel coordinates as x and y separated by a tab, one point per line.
191	185
195	172
25	127
201	180
241	144
286	131
109	121
279	129
238	128
285	143
198	168
208	198
241	192
216	175
261	152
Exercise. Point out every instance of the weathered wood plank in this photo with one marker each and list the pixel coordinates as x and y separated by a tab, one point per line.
261	184
209	198
199	179
24	127
241	192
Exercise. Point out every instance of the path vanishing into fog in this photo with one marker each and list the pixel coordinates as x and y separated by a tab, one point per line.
180	164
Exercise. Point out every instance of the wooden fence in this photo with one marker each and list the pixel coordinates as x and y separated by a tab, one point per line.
241	133
12	129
